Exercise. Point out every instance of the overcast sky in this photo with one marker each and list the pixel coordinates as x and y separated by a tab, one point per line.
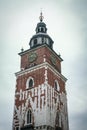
66	21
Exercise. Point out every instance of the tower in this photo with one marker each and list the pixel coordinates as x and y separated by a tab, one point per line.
40	94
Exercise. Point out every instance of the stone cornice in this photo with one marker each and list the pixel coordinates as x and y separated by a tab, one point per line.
40	46
43	65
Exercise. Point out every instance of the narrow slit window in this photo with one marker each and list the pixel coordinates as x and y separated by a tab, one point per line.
29	116
56	85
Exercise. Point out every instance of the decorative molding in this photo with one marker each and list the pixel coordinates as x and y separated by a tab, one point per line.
31	69
40	66
40	46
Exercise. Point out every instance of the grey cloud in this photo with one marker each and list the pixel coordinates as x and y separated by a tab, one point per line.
79	121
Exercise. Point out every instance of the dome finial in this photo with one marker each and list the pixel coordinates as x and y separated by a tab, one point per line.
41	16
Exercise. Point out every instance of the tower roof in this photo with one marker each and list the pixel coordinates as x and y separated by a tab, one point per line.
41	36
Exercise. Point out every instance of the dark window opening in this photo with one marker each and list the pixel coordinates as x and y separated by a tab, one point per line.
30	83
35	41
38	30
42	40
17	128
29	116
42	30
55	85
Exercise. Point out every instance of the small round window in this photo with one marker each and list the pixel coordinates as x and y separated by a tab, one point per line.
56	85
30	83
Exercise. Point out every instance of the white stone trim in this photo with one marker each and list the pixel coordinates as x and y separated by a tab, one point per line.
43	45
34	68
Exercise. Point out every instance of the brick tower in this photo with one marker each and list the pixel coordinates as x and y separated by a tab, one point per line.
40	95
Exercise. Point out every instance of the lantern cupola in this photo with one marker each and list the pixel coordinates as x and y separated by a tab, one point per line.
41	36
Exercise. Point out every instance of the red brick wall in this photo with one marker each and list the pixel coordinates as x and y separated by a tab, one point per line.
48	54
41	51
51	79
38	76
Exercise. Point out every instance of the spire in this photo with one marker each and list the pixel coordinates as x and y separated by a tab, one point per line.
41	36
41	17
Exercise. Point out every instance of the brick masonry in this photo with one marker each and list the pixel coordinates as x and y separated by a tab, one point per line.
48	105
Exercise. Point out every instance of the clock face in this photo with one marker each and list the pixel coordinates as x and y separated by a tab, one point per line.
32	57
53	60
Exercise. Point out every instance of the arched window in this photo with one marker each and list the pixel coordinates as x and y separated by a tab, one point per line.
56	85
35	41
29	117
38	29
30	83
42	30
